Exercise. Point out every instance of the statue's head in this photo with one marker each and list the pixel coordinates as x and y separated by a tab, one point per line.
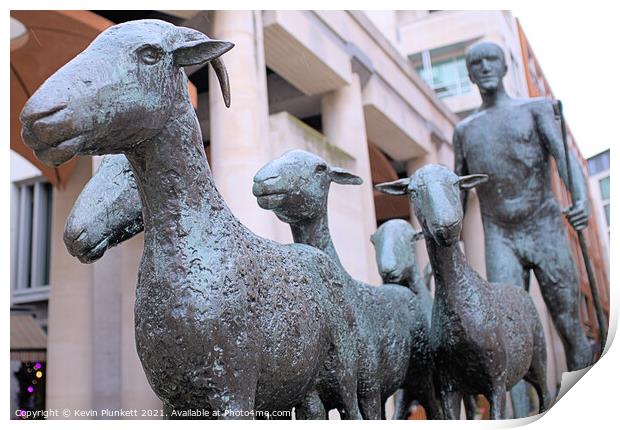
394	243
296	185
119	92
486	65
434	192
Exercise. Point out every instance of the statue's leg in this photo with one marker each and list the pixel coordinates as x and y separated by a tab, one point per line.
556	275
504	266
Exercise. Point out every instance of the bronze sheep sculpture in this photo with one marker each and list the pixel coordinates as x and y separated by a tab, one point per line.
226	320
484	337
296	187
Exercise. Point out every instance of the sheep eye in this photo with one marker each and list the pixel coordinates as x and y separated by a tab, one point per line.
320	168
150	54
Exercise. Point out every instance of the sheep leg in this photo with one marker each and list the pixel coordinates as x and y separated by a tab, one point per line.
429	401
348	395
543	394
370	403
497	400
368	386
402	401
451	402
348	383
537	373
471	406
311	408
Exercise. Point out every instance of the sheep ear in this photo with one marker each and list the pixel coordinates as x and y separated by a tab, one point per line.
341	176
417	235
471	181
394	188
196	48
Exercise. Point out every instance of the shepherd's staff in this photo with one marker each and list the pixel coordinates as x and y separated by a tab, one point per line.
600	316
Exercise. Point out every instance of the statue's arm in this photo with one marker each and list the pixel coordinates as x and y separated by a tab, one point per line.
551	137
460	164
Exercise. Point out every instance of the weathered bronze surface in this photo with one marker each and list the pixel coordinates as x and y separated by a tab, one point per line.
511	141
226	321
485	337
392	327
394	243
107	212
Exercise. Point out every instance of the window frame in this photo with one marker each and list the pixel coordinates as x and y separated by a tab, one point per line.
458	87
31	244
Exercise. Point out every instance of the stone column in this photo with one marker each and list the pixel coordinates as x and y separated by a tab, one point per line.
344	126
445	155
70	337
240	134
136	392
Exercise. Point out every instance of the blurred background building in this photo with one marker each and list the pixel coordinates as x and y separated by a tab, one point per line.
598	169
376	92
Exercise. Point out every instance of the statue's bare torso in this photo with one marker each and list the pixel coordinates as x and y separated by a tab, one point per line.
504	143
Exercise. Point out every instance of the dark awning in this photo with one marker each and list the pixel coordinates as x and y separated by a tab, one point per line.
52	39
28	341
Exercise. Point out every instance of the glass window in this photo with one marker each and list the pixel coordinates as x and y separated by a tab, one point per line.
448	77
607	213
604	183
34	216
598	163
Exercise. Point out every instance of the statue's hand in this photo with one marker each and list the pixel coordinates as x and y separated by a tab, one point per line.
578	214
